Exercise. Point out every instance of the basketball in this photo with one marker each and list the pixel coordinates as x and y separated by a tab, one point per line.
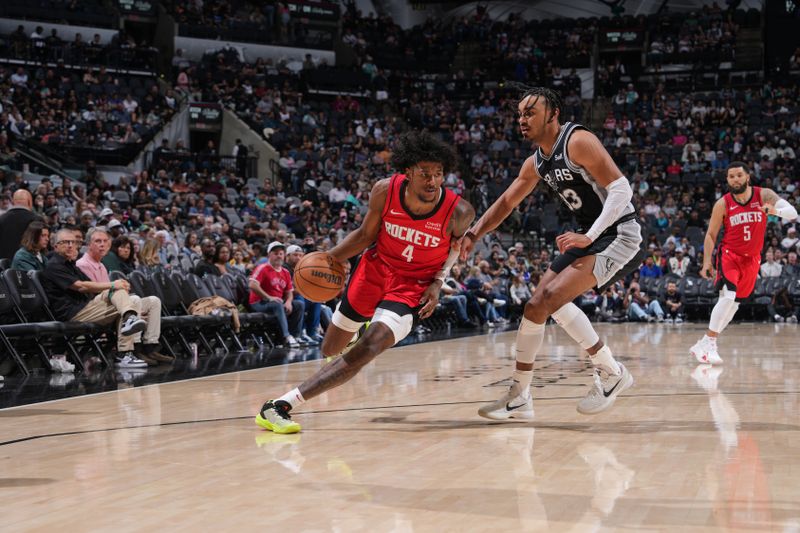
318	277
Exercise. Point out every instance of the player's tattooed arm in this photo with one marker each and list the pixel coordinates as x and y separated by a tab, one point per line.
769	198
772	204
714	225
358	240
462	217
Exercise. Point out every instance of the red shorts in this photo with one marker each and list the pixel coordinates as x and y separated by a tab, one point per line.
374	282
737	271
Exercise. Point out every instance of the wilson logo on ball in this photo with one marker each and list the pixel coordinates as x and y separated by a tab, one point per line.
327	276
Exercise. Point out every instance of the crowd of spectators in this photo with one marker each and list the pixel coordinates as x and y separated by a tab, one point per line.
675	147
46	45
92	108
264	21
523	50
672	146
705	36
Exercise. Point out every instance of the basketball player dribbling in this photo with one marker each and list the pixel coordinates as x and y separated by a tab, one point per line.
574	164
743	212
409	239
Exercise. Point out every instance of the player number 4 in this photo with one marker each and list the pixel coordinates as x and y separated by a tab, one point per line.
408	253
746	233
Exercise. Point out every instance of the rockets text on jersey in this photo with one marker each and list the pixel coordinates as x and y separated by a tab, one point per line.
415	246
745	225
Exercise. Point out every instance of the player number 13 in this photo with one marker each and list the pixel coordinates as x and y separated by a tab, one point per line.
408	253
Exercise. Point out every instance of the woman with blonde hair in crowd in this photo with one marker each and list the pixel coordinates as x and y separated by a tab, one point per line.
148	255
520	292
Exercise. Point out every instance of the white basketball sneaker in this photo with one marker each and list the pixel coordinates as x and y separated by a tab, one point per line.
705	351
604	390
512	405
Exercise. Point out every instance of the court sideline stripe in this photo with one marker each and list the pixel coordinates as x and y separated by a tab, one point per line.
374	408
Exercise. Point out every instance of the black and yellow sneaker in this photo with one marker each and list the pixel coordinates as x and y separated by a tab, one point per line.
274	416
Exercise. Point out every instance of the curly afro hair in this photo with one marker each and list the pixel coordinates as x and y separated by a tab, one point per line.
416	146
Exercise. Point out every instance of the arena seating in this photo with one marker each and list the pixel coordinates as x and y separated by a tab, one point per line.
334	127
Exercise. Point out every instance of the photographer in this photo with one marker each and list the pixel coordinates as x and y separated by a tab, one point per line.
640	307
609	305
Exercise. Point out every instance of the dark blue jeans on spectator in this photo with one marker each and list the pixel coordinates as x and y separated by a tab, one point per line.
325	316
312	312
459	301
473	307
313	317
291	325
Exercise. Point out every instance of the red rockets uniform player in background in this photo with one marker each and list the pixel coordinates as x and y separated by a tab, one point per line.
743	212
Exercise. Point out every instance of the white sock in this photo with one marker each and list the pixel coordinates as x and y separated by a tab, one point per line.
604	360
523	379
529	340
293	398
577	325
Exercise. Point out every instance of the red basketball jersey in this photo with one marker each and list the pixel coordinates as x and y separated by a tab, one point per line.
745	225
414	246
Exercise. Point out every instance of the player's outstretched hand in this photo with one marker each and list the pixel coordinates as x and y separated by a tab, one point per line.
572	240
707	272
467	244
430	299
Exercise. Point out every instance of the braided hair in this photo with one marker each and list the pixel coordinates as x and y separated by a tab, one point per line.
552	100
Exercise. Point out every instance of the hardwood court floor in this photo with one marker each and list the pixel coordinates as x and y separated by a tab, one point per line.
401	448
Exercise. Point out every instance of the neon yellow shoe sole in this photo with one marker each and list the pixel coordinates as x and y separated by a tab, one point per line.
285	428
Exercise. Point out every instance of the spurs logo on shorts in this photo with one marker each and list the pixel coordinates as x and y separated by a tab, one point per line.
610	265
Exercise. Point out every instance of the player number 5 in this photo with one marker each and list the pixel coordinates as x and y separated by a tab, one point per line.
746	233
408	253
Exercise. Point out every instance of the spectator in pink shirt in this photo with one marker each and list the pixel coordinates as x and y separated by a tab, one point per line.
90	263
149	307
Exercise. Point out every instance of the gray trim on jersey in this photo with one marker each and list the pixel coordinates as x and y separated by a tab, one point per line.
616	255
601	192
563	130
